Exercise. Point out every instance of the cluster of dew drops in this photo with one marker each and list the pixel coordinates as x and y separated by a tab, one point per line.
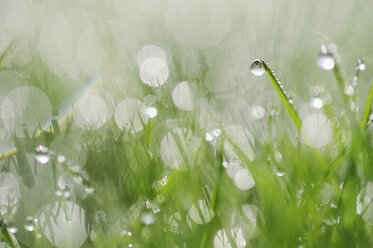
326	60
44	156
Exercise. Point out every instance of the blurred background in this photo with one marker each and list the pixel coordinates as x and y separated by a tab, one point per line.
124	96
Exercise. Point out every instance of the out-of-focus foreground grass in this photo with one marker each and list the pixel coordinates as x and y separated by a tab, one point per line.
139	124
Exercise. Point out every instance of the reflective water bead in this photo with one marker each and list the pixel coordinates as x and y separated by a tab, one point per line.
360	65
280	172
29	224
257	68
66	192
42	158
349	90
61	159
11	227
326	62
148	218
316	103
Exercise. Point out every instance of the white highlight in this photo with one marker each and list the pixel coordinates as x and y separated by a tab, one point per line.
316	130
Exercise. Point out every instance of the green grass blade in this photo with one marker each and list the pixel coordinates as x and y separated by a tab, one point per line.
367	109
283	96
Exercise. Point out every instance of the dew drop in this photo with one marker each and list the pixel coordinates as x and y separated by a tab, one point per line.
61	159
316	103
257	68
326	62
89	190
29	224
12	227
278	157
66	192
360	65
225	164
148	218
349	90
42	158
150	112
209	137
216	132
58	192
41	149
280	172
78	179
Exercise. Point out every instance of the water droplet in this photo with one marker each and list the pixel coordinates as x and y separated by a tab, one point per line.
326	62
316	103
257	68
150	112
349	90
280	172
58	192
42	158
209	137
130	246
41	149
38	236
61	159
216	132
66	192
148	218
360	65
316	91
258	112
225	164
29	224
278	157
89	190
78	179
12	227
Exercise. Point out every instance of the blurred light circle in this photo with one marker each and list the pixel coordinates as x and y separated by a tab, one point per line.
221	239
63	224
182	96
201	213
94	109
129	115
240	137
243	179
9	195
71	43
258	112
170	153
316	130
364	203
154	72
25	107
150	100
150	51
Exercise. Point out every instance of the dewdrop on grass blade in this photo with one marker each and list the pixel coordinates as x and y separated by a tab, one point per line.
360	65
29	224
257	68
325	60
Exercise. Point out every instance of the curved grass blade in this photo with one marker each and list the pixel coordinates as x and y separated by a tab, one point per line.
286	100
367	109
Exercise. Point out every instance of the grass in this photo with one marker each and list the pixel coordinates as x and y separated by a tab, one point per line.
130	197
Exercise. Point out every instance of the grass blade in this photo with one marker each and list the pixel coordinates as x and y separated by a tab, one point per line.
367	109
286	100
